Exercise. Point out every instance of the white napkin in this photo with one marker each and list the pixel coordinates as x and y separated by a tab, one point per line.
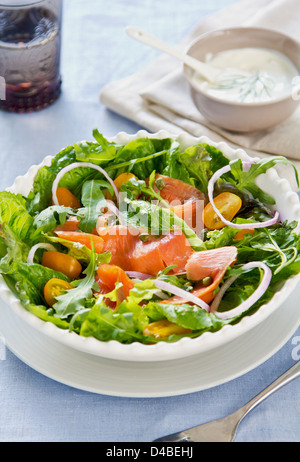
158	96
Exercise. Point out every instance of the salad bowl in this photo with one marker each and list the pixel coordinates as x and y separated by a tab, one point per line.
286	203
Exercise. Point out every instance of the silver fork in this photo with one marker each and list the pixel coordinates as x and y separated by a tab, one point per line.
224	429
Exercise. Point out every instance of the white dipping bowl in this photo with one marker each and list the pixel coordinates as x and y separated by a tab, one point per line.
239	116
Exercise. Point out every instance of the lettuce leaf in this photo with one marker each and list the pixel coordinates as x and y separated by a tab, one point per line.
190	317
40	197
14	214
123	325
201	162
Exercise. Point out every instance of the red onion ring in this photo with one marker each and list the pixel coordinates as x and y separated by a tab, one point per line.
137	275
111	206
76	165
210	191
33	249
257	294
167	287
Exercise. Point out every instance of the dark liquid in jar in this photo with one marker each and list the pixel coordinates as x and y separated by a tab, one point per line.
29	58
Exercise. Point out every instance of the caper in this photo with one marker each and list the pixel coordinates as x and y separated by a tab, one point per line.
160	183
144	237
207	281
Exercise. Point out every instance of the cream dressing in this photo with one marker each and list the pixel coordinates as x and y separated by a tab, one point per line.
250	75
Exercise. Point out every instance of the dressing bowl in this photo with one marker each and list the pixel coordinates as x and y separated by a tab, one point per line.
243	116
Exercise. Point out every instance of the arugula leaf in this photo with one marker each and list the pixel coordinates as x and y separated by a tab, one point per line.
76	299
98	153
48	219
94	202
141	157
246	179
134	188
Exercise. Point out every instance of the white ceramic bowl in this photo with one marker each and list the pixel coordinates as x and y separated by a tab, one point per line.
234	116
287	203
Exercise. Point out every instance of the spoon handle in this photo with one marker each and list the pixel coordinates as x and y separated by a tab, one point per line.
148	39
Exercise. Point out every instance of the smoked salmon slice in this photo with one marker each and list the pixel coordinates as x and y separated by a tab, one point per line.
186	201
177	190
207	263
107	277
157	253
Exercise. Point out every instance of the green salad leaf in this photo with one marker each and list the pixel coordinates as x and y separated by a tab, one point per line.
75	299
158	220
201	162
48	219
94	202
246	179
14	213
194	318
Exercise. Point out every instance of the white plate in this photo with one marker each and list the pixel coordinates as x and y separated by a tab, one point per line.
287	202
150	379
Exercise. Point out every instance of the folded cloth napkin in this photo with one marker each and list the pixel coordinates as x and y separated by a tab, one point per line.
158	96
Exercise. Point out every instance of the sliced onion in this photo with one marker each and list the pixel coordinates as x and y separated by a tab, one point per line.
76	165
33	249
210	191
257	294
111	206
166	286
137	275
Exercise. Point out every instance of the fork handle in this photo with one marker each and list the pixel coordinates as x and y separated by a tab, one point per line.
284	379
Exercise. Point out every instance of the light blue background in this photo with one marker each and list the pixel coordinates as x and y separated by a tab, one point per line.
96	51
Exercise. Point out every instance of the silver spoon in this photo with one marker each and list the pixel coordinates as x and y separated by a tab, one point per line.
224	429
210	73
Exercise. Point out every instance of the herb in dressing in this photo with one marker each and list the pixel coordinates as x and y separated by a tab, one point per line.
250	75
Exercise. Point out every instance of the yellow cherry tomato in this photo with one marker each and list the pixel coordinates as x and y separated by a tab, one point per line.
123	178
63	263
54	288
66	198
240	234
228	204
164	328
